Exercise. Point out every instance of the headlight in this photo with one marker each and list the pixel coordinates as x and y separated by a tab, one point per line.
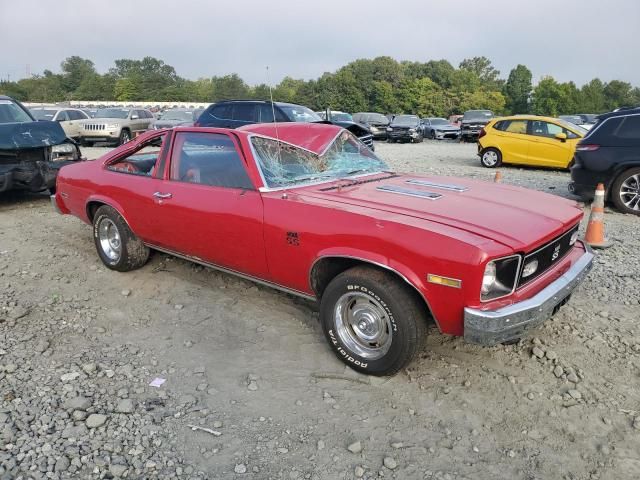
374	129
500	277
64	151
529	268
111	126
389	129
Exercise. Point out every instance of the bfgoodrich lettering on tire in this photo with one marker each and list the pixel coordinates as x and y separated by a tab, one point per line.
372	320
117	246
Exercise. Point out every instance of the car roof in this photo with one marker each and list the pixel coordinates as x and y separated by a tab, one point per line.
620	113
527	117
315	137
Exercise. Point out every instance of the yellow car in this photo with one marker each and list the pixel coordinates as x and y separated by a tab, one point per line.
528	140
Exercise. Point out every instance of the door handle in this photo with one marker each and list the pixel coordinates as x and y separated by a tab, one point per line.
162	195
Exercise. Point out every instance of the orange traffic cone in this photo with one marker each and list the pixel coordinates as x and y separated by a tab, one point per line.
498	177
595	228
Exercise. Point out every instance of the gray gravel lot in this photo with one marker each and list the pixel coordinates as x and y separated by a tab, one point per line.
79	345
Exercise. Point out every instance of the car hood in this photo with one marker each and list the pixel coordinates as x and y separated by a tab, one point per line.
516	217
20	136
445	127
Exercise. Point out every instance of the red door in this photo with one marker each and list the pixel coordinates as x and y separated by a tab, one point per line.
208	207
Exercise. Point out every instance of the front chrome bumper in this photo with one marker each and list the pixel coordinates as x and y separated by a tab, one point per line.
490	327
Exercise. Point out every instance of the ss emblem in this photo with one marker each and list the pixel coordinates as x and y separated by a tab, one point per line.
556	253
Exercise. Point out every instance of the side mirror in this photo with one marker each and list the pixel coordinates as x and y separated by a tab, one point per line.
561	136
134	117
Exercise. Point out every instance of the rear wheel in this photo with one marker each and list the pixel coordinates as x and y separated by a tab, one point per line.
117	246
373	322
491	158
625	191
432	135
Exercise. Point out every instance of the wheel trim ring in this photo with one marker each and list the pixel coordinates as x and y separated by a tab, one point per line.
631	188
110	239
363	325
490	158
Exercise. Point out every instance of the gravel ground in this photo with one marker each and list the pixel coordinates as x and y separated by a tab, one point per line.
252	391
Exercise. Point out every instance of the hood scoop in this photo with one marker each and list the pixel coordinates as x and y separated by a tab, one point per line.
444	186
399	190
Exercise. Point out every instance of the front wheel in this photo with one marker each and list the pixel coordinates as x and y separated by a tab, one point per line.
117	246
125	136
491	158
625	191
373	321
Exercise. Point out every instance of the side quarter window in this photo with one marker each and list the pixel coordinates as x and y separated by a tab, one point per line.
208	159
142	161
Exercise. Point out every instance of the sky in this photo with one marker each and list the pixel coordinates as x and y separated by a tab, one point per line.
570	40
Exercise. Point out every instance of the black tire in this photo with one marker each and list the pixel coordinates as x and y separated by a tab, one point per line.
491	157
86	143
432	135
125	136
404	321
627	182
133	253
390	140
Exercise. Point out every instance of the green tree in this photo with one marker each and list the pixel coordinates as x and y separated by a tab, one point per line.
592	98
618	94
484	70
74	71
518	89
229	87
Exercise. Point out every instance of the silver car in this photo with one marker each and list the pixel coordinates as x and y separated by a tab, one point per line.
70	119
115	125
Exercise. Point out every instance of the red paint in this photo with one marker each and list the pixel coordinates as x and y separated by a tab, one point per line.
249	231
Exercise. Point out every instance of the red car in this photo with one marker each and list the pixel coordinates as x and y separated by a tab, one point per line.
308	209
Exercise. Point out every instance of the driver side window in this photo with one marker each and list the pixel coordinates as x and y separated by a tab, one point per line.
208	159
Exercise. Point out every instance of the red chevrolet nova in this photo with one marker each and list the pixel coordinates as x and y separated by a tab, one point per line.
308	209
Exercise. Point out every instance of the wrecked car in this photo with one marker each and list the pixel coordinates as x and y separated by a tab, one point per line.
31	152
308	209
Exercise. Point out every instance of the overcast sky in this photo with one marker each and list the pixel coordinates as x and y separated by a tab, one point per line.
570	40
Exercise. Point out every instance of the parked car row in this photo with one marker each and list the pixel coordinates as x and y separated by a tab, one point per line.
608	153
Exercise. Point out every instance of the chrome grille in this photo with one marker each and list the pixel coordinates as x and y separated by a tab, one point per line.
367	140
94	126
548	255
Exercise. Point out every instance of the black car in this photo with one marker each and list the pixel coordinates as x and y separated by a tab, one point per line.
31	152
610	154
405	128
236	113
472	122
376	122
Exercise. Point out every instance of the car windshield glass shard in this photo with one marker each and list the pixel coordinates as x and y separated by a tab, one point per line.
111	113
283	164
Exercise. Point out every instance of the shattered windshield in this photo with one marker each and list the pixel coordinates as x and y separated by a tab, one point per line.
12	113
283	164
111	113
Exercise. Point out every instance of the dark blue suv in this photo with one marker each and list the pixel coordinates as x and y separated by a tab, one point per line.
236	113
610	154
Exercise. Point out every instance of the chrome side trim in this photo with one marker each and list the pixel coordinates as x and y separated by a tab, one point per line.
244	276
381	265
409	192
443	186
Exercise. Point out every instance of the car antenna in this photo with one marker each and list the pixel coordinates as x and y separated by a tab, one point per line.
273	112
